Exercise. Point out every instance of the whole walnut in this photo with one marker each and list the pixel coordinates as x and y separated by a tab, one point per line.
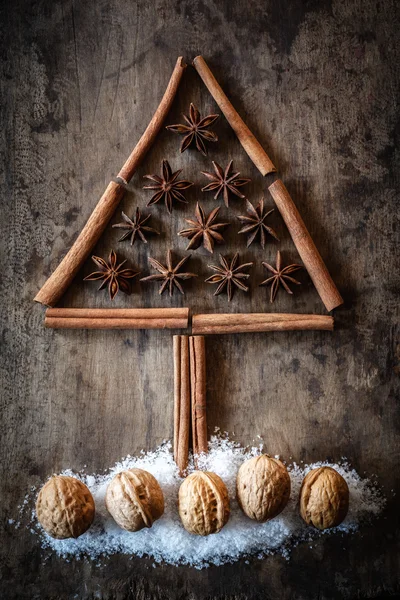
203	503
324	498
65	507
134	499
262	487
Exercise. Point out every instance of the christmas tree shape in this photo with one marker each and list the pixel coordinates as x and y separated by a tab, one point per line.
196	131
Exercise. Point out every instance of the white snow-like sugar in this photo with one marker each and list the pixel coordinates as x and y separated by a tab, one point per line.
168	542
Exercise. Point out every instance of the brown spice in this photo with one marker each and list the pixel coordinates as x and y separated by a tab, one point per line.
181	401
168	186
196	130
305	246
169	274
280	276
203	230
253	148
117	318
254	223
112	275
224	181
229	274
118	313
258	322
135	227
197	353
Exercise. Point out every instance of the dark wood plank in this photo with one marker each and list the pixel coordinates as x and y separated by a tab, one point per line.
318	83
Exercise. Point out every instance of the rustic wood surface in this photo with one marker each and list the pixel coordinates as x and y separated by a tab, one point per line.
318	83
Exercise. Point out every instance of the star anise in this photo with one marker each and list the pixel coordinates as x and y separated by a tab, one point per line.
280	276
169	274
168	186
229	274
254	223
135	228
204	229
224	181
112	275
196	130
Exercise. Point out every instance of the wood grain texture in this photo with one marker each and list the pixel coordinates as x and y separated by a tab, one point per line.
318	84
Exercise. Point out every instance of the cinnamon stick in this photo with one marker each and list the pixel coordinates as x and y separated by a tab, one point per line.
301	238
114	323
62	277
181	401
119	313
258	322
305	246
197	353
147	139
250	144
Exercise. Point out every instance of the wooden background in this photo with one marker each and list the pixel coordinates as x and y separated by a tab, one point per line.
318	83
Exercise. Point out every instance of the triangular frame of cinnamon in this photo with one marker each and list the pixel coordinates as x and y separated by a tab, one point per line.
62	277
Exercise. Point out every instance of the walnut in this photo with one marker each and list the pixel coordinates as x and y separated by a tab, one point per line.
324	498
65	507
203	503
134	499
262	487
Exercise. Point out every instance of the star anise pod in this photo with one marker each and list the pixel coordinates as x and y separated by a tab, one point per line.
280	276
254	223
168	274
204	229
167	186
113	275
229	275
135	228
224	180
196	130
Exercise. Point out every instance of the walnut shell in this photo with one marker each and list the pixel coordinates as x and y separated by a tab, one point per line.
324	498
134	499
262	487
203	503
65	507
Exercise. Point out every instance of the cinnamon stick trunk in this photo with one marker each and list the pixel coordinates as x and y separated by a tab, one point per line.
197	352
181	401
